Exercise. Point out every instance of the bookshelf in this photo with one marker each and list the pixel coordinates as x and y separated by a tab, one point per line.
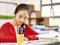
36	18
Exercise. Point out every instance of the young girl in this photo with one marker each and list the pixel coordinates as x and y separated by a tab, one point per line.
8	30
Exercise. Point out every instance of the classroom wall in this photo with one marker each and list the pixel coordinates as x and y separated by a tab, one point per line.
16	1
35	2
7	7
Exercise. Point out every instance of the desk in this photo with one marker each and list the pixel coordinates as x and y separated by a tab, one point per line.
36	42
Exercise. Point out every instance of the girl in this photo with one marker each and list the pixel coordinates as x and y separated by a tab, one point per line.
8	30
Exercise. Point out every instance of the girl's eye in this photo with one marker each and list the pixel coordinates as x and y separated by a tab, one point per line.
20	16
25	18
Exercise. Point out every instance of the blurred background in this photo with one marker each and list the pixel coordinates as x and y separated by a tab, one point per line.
44	13
44	17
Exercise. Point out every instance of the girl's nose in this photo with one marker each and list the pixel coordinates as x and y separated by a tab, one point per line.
22	20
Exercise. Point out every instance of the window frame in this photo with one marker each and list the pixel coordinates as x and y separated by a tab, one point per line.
50	4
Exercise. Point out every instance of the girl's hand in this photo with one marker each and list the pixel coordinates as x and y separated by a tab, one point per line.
25	39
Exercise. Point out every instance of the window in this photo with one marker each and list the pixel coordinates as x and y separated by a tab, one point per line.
50	8
56	1
46	1
56	10
46	11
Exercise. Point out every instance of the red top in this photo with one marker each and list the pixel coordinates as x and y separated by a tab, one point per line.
7	33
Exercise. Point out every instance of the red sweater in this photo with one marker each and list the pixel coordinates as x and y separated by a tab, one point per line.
7	33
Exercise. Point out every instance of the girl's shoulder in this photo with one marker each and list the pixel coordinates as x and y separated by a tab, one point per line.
7	24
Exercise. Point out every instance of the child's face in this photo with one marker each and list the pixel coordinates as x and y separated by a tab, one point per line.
21	17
